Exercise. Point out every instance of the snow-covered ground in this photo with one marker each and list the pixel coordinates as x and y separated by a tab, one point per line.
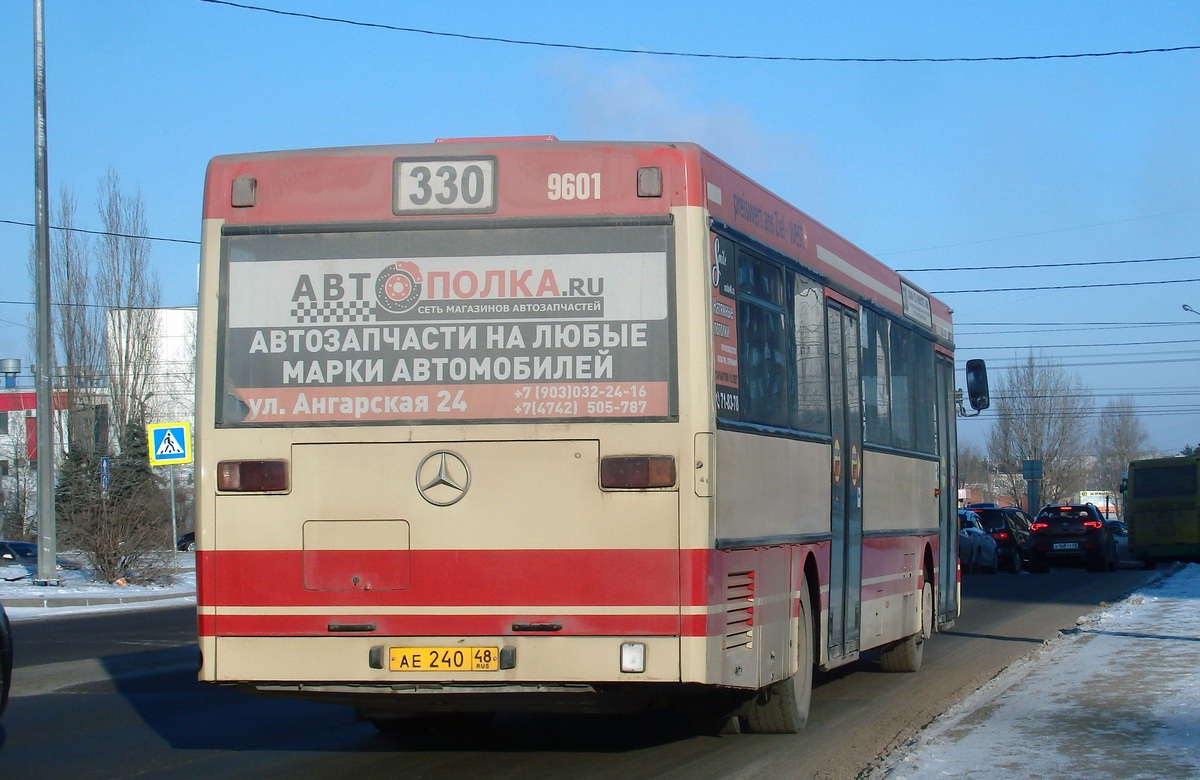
1118	697
16	586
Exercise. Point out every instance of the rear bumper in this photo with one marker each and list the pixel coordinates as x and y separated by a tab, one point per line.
344	664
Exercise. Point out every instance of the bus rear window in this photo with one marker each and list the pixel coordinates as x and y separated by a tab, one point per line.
488	324
1165	481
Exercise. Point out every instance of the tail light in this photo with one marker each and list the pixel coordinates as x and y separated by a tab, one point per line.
1038	526
1000	536
252	476
1093	524
634	472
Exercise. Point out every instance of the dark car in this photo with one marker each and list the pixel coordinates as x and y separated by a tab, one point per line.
6	658
18	552
1009	526
187	542
1071	534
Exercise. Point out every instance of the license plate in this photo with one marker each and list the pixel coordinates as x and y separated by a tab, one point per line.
1066	545
444	659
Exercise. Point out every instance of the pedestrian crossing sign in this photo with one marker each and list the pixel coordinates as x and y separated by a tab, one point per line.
169	443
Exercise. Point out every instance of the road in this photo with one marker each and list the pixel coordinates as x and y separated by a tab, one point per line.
166	724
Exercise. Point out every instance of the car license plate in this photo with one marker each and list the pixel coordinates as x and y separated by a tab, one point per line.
444	659
1066	545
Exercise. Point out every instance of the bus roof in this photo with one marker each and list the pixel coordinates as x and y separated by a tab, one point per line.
356	184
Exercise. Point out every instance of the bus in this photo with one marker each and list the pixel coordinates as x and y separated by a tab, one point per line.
523	424
1162	509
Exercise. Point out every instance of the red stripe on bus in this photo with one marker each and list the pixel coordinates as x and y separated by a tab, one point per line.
452	578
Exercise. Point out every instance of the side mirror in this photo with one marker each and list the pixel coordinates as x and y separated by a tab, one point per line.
977	385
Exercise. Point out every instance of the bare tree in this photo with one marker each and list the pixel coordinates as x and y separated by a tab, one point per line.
127	286
1120	437
972	465
1042	413
78	327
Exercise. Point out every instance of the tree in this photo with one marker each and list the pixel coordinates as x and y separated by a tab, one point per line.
1188	450
1120	437
78	328
972	465
122	533
1041	414
127	286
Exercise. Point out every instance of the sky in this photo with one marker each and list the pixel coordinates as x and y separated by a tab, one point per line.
926	165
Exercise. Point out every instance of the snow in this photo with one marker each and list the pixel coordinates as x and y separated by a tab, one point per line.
1118	696
17	587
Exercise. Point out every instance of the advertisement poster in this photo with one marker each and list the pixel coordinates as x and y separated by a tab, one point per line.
724	323
518	324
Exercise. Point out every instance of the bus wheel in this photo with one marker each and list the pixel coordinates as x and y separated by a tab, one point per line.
782	707
906	655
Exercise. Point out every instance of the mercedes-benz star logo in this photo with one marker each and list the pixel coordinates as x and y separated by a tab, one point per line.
443	478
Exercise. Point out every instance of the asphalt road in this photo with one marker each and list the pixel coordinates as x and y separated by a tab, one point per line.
164	723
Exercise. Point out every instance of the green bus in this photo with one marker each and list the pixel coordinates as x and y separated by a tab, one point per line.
1162	509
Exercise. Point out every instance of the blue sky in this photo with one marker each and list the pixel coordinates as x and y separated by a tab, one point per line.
925	165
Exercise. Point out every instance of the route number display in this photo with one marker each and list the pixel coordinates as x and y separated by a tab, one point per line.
445	186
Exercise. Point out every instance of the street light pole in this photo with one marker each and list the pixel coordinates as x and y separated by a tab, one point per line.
47	573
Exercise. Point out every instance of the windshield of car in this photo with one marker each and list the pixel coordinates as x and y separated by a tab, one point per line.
992	519
1066	513
23	549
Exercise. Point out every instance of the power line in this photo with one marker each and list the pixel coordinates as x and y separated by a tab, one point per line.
694	55
1033	235
1091	364
1098	344
1048	265
99	306
102	232
1053	286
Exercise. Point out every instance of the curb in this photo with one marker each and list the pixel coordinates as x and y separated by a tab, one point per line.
91	601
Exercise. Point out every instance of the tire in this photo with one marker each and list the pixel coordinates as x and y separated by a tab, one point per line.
6	658
906	655
191	547
995	563
1014	566
782	707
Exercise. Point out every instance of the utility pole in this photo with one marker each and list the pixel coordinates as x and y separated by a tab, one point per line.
47	573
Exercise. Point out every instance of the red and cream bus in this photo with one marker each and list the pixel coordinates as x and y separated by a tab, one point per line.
498	424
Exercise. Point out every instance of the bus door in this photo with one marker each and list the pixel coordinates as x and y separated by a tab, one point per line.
947	584
845	523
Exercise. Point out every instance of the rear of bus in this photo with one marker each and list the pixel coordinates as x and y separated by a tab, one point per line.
1162	509
443	451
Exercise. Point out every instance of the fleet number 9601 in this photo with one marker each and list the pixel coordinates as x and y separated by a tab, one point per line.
573	186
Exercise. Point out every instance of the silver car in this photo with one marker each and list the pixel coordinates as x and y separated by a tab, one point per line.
976	548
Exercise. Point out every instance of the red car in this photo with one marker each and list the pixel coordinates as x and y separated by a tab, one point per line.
1071	534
